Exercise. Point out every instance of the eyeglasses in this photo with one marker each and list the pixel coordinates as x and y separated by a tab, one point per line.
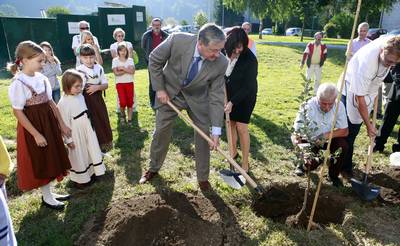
121	36
84	28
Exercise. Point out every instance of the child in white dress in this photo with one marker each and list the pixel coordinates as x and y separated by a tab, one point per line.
84	149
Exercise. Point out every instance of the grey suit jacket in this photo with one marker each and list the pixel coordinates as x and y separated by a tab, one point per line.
169	64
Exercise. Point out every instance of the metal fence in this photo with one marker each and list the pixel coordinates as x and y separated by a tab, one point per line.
60	30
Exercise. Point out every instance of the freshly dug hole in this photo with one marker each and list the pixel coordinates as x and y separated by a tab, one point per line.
282	202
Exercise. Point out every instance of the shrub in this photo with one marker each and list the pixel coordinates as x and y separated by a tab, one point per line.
330	30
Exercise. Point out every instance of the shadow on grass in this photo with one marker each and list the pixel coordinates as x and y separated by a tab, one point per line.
48	227
279	135
131	142
183	137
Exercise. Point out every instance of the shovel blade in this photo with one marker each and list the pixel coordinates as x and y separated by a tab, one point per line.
233	179
364	190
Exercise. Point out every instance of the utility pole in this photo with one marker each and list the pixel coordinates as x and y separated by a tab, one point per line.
223	14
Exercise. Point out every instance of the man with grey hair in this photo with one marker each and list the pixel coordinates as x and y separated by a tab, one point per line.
76	39
360	41
150	40
188	71
252	45
320	111
314	57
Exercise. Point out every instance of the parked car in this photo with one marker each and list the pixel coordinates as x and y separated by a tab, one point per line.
166	29
266	31
392	32
186	28
374	33
293	31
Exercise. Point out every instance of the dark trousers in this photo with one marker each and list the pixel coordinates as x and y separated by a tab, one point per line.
354	129
392	112
152	93
334	168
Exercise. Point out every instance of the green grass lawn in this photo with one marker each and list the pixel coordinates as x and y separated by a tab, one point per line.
271	162
294	39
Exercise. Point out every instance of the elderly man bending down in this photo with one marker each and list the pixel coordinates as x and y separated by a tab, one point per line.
320	112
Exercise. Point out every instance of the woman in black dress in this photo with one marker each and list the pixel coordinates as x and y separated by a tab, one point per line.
241	84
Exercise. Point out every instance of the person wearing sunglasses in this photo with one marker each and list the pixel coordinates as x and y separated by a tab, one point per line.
366	71
76	40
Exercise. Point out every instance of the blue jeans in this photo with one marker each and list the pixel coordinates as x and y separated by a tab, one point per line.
354	129
56	95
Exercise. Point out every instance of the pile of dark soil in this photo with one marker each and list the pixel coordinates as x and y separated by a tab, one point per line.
389	181
282	202
168	219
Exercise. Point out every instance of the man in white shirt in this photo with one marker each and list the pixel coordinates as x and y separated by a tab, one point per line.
365	73
321	111
76	39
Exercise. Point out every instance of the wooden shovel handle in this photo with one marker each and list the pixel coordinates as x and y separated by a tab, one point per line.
209	140
372	139
228	127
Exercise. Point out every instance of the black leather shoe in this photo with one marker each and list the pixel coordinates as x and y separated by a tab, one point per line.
378	148
63	198
55	207
396	147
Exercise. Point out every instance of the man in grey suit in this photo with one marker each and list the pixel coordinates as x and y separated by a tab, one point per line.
188	71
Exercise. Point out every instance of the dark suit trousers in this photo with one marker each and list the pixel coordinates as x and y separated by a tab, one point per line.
165	116
354	129
392	112
152	93
334	168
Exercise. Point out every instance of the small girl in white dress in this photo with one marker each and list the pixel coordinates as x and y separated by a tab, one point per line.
84	149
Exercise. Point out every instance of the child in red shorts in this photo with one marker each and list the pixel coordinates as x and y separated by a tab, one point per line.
124	69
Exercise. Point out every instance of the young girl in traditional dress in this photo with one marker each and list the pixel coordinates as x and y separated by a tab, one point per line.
94	83
41	154
84	150
52	69
124	68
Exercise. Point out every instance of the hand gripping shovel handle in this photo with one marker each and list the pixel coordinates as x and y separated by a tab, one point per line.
209	140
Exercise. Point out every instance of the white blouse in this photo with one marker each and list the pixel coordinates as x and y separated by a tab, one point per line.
231	66
18	93
95	75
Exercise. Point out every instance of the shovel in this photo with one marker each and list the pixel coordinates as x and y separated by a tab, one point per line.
232	178
243	173
362	188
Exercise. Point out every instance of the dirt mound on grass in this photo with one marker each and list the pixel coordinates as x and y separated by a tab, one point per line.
389	181
282	202
168	219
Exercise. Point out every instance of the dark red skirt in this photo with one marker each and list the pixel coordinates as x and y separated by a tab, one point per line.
37	166
99	117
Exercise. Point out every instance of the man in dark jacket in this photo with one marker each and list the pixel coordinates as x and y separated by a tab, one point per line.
392	111
150	40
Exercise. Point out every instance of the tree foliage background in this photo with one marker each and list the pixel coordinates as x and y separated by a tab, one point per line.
312	13
55	10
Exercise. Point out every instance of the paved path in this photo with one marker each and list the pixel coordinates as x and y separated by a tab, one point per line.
299	44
